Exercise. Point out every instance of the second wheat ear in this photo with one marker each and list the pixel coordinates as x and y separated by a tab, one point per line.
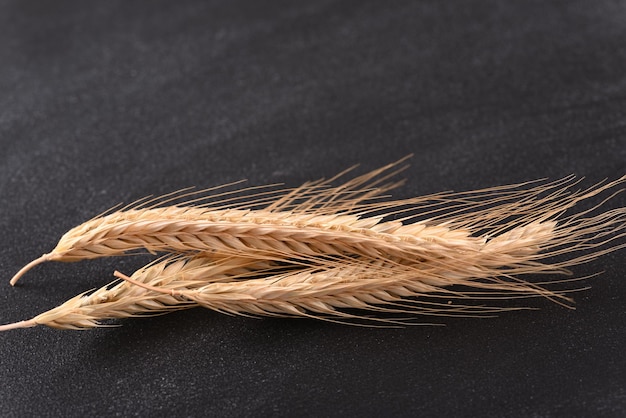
319	249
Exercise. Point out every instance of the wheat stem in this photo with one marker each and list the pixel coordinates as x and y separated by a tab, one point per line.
22	324
27	267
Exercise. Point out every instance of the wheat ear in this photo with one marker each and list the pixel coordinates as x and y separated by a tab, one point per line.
232	286
307	230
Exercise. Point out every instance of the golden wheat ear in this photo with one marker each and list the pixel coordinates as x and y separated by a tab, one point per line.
316	221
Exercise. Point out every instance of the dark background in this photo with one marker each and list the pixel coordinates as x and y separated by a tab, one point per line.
103	102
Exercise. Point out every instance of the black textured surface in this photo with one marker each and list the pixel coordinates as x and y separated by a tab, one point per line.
102	102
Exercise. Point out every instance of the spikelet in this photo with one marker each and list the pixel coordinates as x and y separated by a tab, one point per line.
340	253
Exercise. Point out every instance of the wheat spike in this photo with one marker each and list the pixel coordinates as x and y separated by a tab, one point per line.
310	228
233	286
